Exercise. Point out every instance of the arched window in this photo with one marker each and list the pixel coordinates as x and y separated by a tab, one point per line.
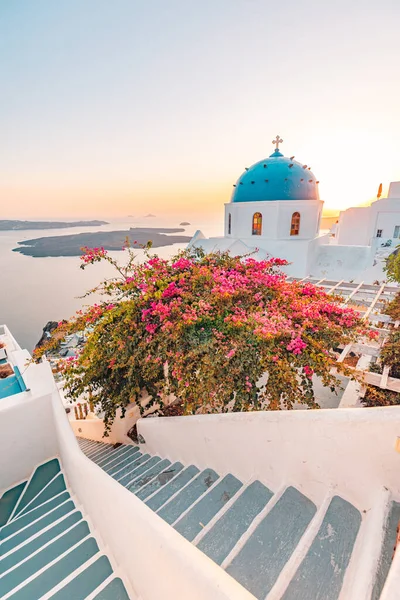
229	223
295	226
257	224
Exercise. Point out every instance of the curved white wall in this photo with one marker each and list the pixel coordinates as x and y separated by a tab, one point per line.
349	450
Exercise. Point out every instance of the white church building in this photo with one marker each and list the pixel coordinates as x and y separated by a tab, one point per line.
275	210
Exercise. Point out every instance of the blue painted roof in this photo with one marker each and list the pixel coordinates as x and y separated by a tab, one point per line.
276	178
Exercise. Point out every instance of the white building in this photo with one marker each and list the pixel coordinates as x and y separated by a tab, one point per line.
275	210
375	225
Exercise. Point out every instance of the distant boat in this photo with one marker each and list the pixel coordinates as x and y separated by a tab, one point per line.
183	223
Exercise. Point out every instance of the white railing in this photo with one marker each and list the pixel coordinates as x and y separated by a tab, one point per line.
8	338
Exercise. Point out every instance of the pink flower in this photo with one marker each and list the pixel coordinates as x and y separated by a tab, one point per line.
309	290
372	334
171	290
308	371
91	255
296	345
182	263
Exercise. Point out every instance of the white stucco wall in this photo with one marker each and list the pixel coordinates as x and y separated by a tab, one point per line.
27	436
93	429
394	189
277	218
296	251
7	337
349	450
358	226
315	258
353	227
387	220
341	262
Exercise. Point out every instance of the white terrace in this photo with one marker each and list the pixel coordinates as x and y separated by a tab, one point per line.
370	301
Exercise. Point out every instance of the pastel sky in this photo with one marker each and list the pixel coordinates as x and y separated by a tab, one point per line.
134	106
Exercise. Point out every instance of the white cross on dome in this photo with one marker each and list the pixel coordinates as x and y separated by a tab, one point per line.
278	140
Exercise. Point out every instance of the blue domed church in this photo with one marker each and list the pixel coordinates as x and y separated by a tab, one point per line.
275	210
274	179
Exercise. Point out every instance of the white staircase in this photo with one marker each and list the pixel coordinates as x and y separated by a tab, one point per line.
47	548
278	544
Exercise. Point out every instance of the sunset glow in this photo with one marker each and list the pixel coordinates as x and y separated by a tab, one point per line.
110	110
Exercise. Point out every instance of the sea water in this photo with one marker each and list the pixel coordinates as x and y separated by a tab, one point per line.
34	291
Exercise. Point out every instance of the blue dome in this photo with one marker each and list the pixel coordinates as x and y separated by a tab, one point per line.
276	178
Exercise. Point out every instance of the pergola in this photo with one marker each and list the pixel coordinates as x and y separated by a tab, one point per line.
369	300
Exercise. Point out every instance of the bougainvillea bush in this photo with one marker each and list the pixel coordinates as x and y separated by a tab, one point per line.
393	308
375	396
390	353
392	266
220	333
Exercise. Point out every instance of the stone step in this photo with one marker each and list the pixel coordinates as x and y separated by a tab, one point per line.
55	487
142	469
145	462
135	461
253	540
86	581
102	455
126	459
96	453
190	524
157	500
148	475
40	560
115	590
263	556
85	443
40	478
8	501
46	542
173	509
125	475
27	530
54	574
320	575
33	515
389	541
218	542
24	551
113	457
158	482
